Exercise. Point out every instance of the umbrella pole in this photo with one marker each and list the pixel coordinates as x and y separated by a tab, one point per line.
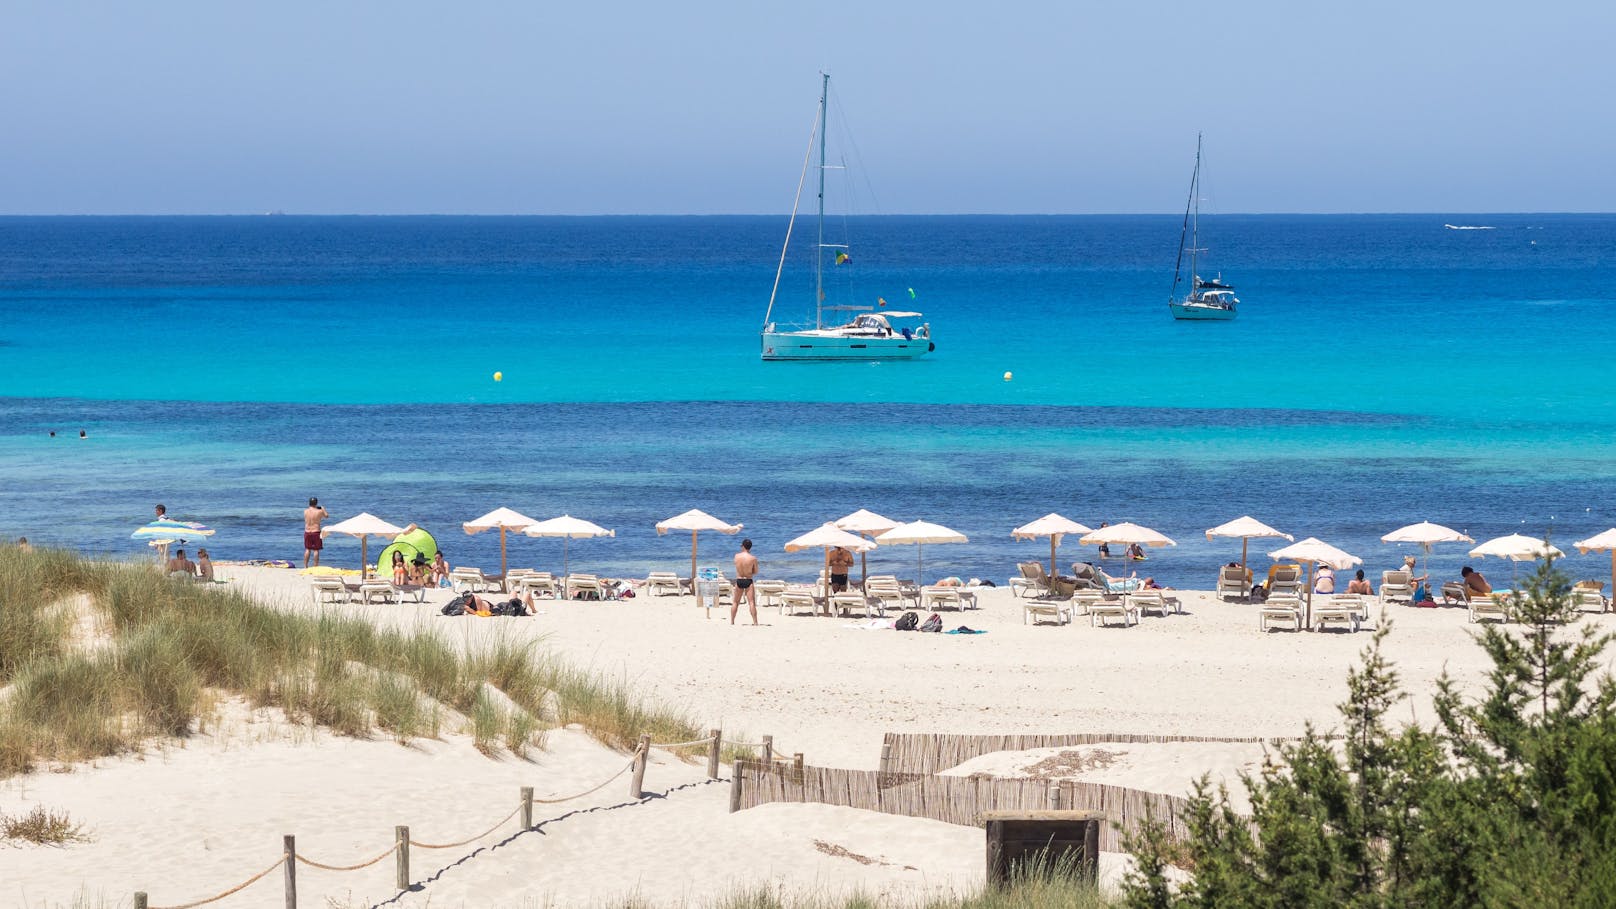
1245	542
1313	570
693	563
566	558
1613	571
502	551
364	556
1054	540
920	574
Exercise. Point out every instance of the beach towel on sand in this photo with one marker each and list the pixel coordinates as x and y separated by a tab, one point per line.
963	629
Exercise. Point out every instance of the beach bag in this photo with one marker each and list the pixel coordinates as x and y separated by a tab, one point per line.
456	606
935	623
513	606
909	621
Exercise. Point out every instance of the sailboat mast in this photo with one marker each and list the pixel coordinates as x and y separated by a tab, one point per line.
1195	221
819	248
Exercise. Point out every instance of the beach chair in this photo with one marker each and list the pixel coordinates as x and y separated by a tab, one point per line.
885	592
1108	607
1488	606
1233	583
577	586
536	583
1084	599
1589	594
1033	610
473	579
1280	607
768	592
1396	585
1454	593
1032	580
329	590
937	597
1147	600
377	590
847	601
1285	580
663	583
798	596
1345	608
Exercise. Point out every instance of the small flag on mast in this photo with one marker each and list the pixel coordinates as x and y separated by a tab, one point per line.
842	258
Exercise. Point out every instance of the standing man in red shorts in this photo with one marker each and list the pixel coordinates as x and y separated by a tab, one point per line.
312	544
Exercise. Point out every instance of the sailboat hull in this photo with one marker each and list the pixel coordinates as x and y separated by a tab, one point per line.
825	345
1190	312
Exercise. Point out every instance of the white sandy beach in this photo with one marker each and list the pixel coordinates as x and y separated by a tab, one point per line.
186	822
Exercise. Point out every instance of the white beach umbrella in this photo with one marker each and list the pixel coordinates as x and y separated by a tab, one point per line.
1315	552
919	533
364	526
1126	534
568	528
1426	535
828	535
1246	528
695	521
1604	542
866	523
1517	548
1053	526
501	519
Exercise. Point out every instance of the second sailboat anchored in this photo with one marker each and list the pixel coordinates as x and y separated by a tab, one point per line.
871	333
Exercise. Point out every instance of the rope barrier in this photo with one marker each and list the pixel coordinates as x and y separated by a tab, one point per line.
314	864
639	753
214	899
706	741
497	825
626	768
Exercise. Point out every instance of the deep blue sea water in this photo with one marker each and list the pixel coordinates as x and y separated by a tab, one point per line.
1383	370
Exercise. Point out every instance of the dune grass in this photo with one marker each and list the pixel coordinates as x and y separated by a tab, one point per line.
172	648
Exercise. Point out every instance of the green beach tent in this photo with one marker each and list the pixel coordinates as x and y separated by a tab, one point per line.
415	543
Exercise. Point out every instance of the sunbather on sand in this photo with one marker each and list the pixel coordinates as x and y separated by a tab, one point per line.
1360	584
204	565
440	568
401	571
1474	582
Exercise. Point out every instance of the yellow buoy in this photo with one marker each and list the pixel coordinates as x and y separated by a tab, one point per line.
499	377
1008	376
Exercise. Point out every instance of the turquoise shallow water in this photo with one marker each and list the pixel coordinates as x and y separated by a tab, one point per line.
1384	370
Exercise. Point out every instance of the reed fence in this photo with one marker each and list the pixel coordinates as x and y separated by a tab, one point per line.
951	799
926	753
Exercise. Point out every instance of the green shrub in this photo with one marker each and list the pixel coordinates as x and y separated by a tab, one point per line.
1509	800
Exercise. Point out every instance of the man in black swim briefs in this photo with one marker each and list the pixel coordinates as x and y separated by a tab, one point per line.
841	564
746	566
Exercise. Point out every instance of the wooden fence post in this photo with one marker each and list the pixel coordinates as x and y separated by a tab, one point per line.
886	756
140	899
768	749
1054	796
796	774
636	785
401	856
735	784
527	807
713	753
289	850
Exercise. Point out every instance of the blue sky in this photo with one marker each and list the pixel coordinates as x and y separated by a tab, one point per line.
583	108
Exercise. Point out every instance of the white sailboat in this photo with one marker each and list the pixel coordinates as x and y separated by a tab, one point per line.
1206	300
869	334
